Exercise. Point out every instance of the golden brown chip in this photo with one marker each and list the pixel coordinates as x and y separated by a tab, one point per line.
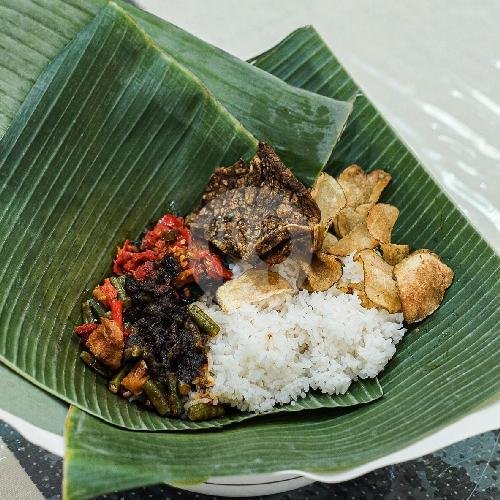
360	188
351	217
353	182
319	235
380	221
380	286
358	239
328	240
376	182
321	273
359	290
329	197
394	254
422	279
255	286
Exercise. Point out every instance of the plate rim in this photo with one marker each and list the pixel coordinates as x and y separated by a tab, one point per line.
484	419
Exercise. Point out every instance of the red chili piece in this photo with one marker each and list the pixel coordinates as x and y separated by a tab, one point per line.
154	239
117	312
169	236
107	293
206	264
84	331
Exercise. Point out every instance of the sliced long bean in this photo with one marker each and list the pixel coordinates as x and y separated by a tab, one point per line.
133	351
87	315
204	411
173	398
96	306
115	382
203	320
119	283
90	360
155	395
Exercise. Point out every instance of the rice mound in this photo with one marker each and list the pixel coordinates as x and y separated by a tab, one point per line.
274	354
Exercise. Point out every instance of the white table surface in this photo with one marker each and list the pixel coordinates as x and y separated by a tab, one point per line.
431	67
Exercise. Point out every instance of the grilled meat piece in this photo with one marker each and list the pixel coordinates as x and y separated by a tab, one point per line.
257	212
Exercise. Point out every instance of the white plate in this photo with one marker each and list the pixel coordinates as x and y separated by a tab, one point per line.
483	420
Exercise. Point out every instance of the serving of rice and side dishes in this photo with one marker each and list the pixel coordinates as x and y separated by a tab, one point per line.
266	291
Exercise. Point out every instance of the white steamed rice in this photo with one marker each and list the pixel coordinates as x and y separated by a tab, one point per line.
322	340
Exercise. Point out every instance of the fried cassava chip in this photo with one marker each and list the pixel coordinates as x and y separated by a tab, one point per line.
393	253
380	220
330	198
360	187
322	272
358	239
356	289
422	280
380	287
255	286
351	217
328	241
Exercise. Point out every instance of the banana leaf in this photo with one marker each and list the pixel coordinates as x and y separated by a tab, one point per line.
114	133
26	401
302	126
444	368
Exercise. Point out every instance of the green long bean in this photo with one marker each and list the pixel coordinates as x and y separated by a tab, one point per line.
173	398
203	320
156	396
96	306
87	315
90	360
119	283
115	382
133	351
204	411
